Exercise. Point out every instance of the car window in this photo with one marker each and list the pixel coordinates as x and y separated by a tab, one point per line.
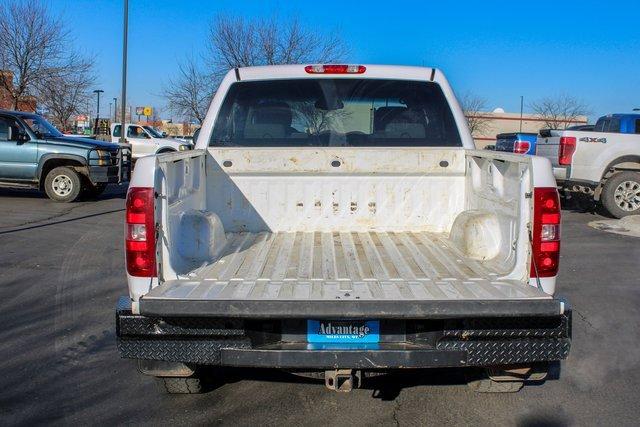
116	130
5	124
41	127
136	132
601	125
614	125
335	112
4	129
637	125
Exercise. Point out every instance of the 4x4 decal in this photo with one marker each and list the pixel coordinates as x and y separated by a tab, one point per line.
592	139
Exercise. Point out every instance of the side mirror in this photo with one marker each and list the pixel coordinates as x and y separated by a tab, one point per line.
164	134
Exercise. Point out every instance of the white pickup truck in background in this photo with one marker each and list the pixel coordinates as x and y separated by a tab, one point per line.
338	220
145	140
605	165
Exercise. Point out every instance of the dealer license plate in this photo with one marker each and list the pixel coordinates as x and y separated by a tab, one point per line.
343	331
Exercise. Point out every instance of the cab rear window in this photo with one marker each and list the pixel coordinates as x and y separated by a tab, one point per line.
335	112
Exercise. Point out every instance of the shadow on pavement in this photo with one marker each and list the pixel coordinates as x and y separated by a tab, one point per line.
112	192
582	203
31	227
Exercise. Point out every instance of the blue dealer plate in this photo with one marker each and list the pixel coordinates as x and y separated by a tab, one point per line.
343	331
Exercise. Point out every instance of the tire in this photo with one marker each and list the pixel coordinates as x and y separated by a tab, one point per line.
479	381
621	194
63	184
96	190
487	385
190	385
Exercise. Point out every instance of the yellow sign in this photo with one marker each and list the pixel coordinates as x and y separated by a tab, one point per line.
147	111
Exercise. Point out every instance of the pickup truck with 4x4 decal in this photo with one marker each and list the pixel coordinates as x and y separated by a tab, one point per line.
603	163
34	154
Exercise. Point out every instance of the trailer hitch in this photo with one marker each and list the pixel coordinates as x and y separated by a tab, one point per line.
342	380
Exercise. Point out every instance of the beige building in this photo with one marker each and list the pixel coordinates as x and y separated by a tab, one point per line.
496	122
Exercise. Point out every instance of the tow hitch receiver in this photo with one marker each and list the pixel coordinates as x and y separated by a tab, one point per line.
343	380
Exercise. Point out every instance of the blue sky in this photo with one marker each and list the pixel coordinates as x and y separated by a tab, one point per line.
496	49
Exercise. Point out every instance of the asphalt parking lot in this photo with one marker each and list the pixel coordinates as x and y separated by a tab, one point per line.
61	271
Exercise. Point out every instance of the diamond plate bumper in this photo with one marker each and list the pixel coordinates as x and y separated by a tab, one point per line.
405	343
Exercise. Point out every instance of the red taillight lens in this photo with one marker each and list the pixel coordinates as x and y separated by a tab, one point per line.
335	69
566	150
140	238
521	147
546	232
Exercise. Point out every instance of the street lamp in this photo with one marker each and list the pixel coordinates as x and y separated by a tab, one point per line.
123	97
115	109
97	92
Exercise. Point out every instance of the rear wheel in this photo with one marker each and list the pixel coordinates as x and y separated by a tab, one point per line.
482	381
190	385
62	184
621	194
487	385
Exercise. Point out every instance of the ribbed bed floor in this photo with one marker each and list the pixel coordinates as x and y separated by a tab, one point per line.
321	266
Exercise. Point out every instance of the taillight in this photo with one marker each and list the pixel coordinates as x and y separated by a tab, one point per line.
521	147
140	238
335	69
566	150
546	232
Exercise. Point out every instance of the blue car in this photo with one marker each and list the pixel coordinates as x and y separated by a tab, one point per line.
518	142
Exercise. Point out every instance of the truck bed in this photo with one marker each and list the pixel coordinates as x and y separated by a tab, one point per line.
342	266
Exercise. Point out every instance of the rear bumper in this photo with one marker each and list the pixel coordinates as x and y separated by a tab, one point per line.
406	343
560	173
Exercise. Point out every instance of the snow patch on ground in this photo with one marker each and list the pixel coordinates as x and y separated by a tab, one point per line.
627	226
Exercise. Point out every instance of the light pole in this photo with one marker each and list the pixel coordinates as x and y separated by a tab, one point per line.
110	110
123	97
98	92
521	108
115	109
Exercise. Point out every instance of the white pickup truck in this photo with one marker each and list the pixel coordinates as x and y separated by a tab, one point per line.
145	140
605	165
337	220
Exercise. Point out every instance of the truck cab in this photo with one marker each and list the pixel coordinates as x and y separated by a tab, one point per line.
618	123
34	154
145	140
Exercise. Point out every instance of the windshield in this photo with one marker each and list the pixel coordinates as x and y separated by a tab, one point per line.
335	112
153	132
40	127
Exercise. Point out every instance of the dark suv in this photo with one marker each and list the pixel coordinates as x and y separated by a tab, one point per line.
34	154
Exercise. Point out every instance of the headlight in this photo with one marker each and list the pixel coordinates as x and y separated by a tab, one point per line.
184	147
103	157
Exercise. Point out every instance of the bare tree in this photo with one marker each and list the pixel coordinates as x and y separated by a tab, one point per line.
66	95
241	42
317	120
34	47
236	41
561	111
189	93
474	108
